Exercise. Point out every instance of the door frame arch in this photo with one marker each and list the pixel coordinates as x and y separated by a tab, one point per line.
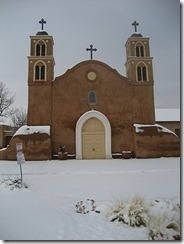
78	132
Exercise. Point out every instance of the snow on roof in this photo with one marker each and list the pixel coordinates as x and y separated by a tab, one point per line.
167	114
25	130
139	128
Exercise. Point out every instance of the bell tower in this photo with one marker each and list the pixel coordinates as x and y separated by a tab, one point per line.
40	77
139	63
139	71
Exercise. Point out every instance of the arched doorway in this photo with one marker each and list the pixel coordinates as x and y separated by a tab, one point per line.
101	122
93	139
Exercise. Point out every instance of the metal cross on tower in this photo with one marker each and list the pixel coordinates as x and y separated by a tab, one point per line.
91	49
135	25
42	22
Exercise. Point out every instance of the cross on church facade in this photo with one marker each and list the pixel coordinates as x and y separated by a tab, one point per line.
135	24
91	49
42	22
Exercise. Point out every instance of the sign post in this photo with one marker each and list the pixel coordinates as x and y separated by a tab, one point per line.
20	158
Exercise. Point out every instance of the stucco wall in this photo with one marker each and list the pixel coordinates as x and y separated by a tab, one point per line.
39	103
62	102
70	101
171	125
150	143
36	146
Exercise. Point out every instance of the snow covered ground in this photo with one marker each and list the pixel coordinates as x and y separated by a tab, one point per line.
46	209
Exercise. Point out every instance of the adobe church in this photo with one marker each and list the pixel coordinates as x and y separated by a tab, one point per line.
92	109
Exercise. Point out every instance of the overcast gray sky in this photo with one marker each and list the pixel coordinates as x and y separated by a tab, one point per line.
107	24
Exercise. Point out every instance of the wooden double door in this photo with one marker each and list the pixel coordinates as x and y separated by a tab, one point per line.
93	139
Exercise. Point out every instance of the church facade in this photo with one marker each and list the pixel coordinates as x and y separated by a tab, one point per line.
92	109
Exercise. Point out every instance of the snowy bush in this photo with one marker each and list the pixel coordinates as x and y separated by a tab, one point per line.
133	212
85	206
137	212
15	183
162	228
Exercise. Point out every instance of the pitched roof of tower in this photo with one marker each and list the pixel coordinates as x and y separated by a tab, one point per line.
136	34
42	33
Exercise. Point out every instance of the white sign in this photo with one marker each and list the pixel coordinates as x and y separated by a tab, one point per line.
20	158
19	147
20	155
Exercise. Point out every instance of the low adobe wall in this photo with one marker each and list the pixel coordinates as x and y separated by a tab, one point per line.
36	146
3	154
155	141
36	143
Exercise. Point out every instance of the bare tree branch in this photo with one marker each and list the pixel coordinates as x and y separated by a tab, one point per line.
6	101
19	118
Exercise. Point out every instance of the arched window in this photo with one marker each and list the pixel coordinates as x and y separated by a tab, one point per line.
40	72
37	73
141	73
144	75
139	50
40	50
37	50
92	98
43	50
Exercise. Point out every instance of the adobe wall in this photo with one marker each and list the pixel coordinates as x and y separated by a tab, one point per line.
39	103
3	154
36	146
70	101
171	125
62	102
1	136
143	109
149	143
